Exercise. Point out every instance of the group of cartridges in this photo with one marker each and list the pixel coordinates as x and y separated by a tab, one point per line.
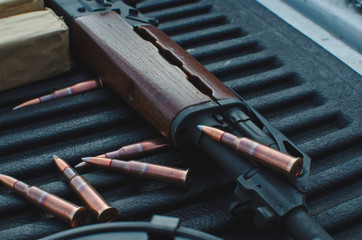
94	202
102	210
276	160
99	207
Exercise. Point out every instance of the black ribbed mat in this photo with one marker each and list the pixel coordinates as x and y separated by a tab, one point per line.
304	91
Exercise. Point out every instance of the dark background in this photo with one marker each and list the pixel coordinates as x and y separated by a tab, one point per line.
305	92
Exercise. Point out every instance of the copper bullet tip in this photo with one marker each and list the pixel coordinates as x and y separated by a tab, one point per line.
61	164
200	127
79	165
212	132
85	159
7	180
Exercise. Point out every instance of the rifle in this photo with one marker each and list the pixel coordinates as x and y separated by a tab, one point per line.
175	93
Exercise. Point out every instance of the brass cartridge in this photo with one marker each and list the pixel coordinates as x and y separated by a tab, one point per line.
62	209
138	149
281	162
77	88
94	202
145	170
135	150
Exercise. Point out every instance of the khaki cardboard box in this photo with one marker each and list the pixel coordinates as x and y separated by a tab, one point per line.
33	46
13	7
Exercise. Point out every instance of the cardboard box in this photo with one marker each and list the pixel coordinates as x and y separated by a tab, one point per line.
33	46
14	7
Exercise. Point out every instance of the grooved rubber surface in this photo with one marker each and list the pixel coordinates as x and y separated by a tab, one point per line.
302	90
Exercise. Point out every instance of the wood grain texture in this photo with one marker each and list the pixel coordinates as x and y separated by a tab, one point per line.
134	68
196	72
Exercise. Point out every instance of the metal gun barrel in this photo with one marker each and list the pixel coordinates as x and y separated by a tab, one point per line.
302	227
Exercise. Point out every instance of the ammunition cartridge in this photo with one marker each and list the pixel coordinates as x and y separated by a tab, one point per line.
145	170
284	163
62	209
77	88
138	149
135	150
94	202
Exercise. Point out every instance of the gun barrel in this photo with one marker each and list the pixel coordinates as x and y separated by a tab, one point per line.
302	227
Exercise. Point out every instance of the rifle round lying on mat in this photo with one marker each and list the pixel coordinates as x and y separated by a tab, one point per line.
94	202
62	209
140	149
281	162
145	170
77	88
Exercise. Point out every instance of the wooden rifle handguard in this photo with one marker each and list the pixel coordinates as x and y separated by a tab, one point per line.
158	81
